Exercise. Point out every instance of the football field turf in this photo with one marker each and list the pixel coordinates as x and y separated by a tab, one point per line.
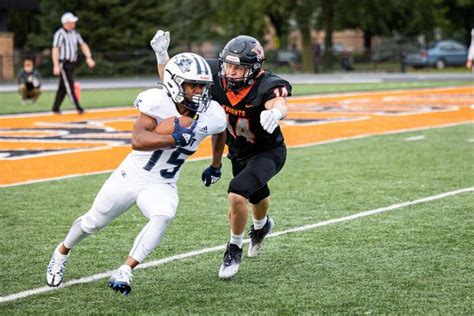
412	259
10	101
40	146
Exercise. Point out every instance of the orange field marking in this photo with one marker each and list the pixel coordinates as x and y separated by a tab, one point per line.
34	147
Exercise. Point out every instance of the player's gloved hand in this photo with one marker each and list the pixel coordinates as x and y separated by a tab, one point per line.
160	43
269	119
182	136
211	175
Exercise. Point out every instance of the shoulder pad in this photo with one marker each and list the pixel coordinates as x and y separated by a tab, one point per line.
154	102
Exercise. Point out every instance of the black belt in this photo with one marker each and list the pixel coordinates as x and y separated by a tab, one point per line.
67	62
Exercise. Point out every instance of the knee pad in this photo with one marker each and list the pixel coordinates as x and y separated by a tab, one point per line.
235	186
158	200
256	197
93	221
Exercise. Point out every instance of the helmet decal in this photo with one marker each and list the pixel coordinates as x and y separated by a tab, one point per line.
200	68
258	50
183	62
232	59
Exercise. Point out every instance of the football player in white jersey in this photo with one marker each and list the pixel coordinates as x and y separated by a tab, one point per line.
148	175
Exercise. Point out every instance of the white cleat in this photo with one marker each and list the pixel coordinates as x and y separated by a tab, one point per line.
231	263
121	280
257	236
55	271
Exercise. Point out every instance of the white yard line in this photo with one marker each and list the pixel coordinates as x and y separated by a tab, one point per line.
415	138
95	277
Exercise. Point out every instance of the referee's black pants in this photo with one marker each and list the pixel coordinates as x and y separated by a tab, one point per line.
66	85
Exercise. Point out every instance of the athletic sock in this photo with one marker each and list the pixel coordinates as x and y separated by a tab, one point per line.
259	223
58	254
237	239
126	268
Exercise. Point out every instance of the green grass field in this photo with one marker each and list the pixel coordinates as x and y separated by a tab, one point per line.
412	260
10	101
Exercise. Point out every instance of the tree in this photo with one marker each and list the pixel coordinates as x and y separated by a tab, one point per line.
328	15
407	19
305	13
459	15
279	13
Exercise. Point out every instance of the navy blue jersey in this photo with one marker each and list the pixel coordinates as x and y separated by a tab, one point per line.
245	134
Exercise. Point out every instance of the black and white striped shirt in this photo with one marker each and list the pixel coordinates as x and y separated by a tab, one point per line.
67	42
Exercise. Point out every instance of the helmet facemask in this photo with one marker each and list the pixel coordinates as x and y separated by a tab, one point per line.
235	84
197	102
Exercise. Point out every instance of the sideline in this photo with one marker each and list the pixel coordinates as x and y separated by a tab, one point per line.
195	253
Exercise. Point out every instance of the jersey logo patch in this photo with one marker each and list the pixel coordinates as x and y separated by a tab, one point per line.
203	129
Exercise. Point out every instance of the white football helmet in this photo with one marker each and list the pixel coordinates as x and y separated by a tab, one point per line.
189	68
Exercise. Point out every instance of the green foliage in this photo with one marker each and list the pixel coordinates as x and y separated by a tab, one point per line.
114	25
413	260
126	27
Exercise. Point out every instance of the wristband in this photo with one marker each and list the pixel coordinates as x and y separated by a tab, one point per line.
162	59
277	113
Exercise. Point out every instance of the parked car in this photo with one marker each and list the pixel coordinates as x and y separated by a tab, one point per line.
439	54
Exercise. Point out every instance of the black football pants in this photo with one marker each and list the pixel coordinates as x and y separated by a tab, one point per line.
66	85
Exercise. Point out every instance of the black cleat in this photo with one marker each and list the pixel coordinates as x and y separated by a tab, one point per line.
257	236
231	262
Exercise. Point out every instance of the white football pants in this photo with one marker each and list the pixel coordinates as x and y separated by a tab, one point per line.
125	187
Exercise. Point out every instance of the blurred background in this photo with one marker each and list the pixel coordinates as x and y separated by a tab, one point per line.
310	36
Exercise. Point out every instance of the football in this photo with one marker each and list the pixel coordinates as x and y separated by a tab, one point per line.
166	127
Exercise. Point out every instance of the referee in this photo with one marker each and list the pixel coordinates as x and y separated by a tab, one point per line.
66	40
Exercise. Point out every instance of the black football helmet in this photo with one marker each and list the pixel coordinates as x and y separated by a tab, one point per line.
245	51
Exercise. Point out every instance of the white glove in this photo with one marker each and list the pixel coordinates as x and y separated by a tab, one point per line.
160	43
269	119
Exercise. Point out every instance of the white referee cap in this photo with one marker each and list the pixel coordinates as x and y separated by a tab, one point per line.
68	17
